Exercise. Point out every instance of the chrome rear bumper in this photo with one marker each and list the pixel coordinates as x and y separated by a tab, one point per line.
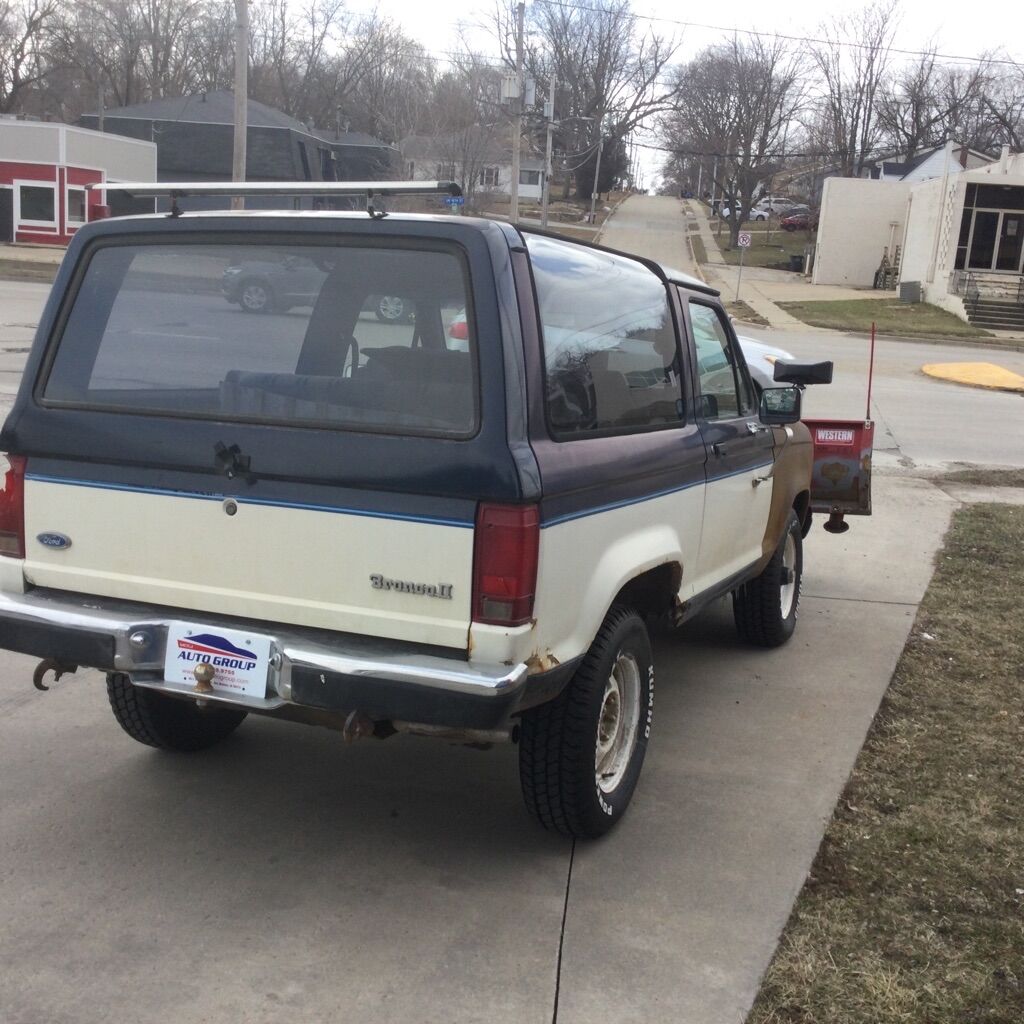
330	671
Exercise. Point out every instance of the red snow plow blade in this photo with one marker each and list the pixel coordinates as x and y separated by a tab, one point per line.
841	475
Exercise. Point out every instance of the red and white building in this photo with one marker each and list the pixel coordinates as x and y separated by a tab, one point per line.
44	168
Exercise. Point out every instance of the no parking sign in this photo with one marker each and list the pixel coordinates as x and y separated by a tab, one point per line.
743	240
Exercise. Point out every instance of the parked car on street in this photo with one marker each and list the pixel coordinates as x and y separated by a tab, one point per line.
776	205
800	218
276	286
458	527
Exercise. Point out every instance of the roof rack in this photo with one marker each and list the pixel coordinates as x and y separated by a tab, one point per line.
176	190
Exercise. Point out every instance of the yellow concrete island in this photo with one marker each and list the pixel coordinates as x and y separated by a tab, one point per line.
978	375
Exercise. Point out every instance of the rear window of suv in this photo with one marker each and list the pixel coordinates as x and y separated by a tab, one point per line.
357	337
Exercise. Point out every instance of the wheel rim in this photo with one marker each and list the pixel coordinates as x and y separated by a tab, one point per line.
617	724
787	592
254	297
391	307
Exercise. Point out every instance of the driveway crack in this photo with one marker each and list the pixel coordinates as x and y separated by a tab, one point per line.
561	934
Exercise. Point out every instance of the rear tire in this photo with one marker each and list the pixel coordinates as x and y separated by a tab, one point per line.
168	723
255	296
766	608
580	755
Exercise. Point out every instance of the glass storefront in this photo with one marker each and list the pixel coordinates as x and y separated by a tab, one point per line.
992	229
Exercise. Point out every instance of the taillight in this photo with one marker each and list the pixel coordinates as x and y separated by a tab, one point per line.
459	330
505	564
12	509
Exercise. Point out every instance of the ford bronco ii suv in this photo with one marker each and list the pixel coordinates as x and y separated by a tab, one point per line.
457	524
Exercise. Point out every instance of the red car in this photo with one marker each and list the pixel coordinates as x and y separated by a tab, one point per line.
799	218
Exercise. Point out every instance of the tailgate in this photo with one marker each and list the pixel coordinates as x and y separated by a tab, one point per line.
318	566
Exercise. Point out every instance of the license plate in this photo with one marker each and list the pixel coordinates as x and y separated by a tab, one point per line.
241	661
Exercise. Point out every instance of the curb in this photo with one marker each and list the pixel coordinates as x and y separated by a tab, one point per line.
984	343
28	270
604	223
698	268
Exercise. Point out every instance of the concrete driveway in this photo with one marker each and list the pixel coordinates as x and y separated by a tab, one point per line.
285	877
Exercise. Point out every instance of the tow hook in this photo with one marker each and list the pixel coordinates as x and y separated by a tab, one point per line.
58	668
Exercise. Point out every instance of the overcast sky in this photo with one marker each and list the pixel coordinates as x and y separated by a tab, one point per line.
954	28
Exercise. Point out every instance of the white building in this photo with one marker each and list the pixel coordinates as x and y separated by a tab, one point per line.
963	243
479	159
863	219
926	164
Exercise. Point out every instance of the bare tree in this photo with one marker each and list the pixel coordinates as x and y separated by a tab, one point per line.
25	29
1004	103
847	126
611	69
928	103
736	102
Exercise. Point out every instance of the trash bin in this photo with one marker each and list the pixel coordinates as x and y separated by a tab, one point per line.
796	263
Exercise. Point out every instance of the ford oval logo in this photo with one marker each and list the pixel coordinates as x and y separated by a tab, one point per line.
54	540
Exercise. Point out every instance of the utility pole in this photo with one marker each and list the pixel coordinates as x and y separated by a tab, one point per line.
597	171
549	117
517	121
102	104
241	96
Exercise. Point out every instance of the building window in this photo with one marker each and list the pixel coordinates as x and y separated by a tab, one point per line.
76	206
37	203
489	177
445	172
529	177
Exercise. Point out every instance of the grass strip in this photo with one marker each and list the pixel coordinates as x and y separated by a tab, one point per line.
914	908
774	254
910	320
982	476
739	309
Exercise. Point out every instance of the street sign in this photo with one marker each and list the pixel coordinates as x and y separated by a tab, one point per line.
743	240
459	200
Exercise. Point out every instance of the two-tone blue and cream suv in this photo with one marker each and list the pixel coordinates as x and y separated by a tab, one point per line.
365	524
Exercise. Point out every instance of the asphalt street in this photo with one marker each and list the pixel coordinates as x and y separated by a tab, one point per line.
287	877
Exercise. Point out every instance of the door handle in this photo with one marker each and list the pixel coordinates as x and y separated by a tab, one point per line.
720	450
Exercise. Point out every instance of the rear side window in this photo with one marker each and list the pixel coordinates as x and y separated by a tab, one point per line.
611	359
366	338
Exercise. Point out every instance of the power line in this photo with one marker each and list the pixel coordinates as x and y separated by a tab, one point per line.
782	35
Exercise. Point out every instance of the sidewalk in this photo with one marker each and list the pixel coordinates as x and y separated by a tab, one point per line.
762	289
30	262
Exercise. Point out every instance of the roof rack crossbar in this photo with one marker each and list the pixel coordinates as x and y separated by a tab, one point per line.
373	190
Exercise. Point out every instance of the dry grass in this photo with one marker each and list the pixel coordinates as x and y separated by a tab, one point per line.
904	319
914	909
983	476
774	254
742	311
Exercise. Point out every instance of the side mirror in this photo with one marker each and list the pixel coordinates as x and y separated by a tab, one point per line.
780	405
